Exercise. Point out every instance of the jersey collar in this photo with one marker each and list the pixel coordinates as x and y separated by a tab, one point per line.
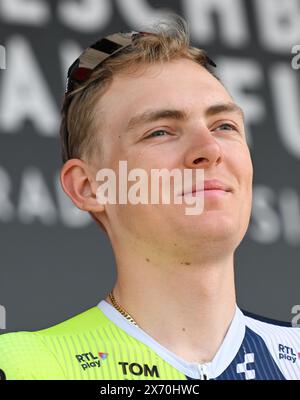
226	353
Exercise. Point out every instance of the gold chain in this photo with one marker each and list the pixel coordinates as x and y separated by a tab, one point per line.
121	309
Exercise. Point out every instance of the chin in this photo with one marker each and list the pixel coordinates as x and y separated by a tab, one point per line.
212	224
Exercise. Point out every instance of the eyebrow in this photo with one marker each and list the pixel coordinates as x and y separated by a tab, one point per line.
180	115
225	107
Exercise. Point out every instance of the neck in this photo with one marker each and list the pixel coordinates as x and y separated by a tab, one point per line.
186	308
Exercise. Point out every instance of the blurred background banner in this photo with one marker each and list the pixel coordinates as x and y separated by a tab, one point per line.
55	262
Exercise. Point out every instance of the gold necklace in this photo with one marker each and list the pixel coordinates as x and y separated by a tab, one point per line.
121	309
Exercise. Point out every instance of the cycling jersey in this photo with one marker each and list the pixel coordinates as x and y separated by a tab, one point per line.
101	344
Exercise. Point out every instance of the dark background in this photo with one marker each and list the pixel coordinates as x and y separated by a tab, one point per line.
55	262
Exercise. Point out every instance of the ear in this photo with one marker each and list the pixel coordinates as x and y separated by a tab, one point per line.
78	183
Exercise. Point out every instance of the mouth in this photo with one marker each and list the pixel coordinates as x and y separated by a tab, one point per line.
212	187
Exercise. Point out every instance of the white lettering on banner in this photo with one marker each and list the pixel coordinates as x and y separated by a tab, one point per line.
137	13
232	19
86	15
24	93
239	75
32	12
275	216
265	222
35	199
277	20
6	206
286	96
278	23
289	205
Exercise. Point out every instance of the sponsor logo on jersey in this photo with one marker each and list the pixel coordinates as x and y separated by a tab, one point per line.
103	356
245	368
89	360
287	353
2	375
138	370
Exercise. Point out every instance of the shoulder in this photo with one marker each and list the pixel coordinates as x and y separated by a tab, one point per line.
38	354
273	330
280	339
260	318
23	355
268	327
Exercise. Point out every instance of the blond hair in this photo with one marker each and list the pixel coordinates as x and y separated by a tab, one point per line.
169	41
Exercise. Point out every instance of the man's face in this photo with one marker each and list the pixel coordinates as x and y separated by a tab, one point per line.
203	133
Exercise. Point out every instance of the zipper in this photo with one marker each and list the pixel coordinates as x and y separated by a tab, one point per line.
203	375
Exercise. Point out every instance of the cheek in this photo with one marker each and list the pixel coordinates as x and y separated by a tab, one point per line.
156	155
240	163
245	177
248	168
241	170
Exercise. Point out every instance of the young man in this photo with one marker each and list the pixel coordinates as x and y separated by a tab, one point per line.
151	100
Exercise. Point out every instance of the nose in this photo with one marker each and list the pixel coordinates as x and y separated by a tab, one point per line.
204	151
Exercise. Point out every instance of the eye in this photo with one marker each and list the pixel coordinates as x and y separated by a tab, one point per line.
226	126
159	132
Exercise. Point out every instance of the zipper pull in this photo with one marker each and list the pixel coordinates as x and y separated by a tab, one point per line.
203	372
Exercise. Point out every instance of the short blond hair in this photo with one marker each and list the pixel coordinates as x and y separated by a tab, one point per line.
170	40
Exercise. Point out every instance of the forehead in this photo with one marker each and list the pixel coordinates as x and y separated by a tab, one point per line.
180	84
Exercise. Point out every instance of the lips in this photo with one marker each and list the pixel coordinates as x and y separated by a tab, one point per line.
211	184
